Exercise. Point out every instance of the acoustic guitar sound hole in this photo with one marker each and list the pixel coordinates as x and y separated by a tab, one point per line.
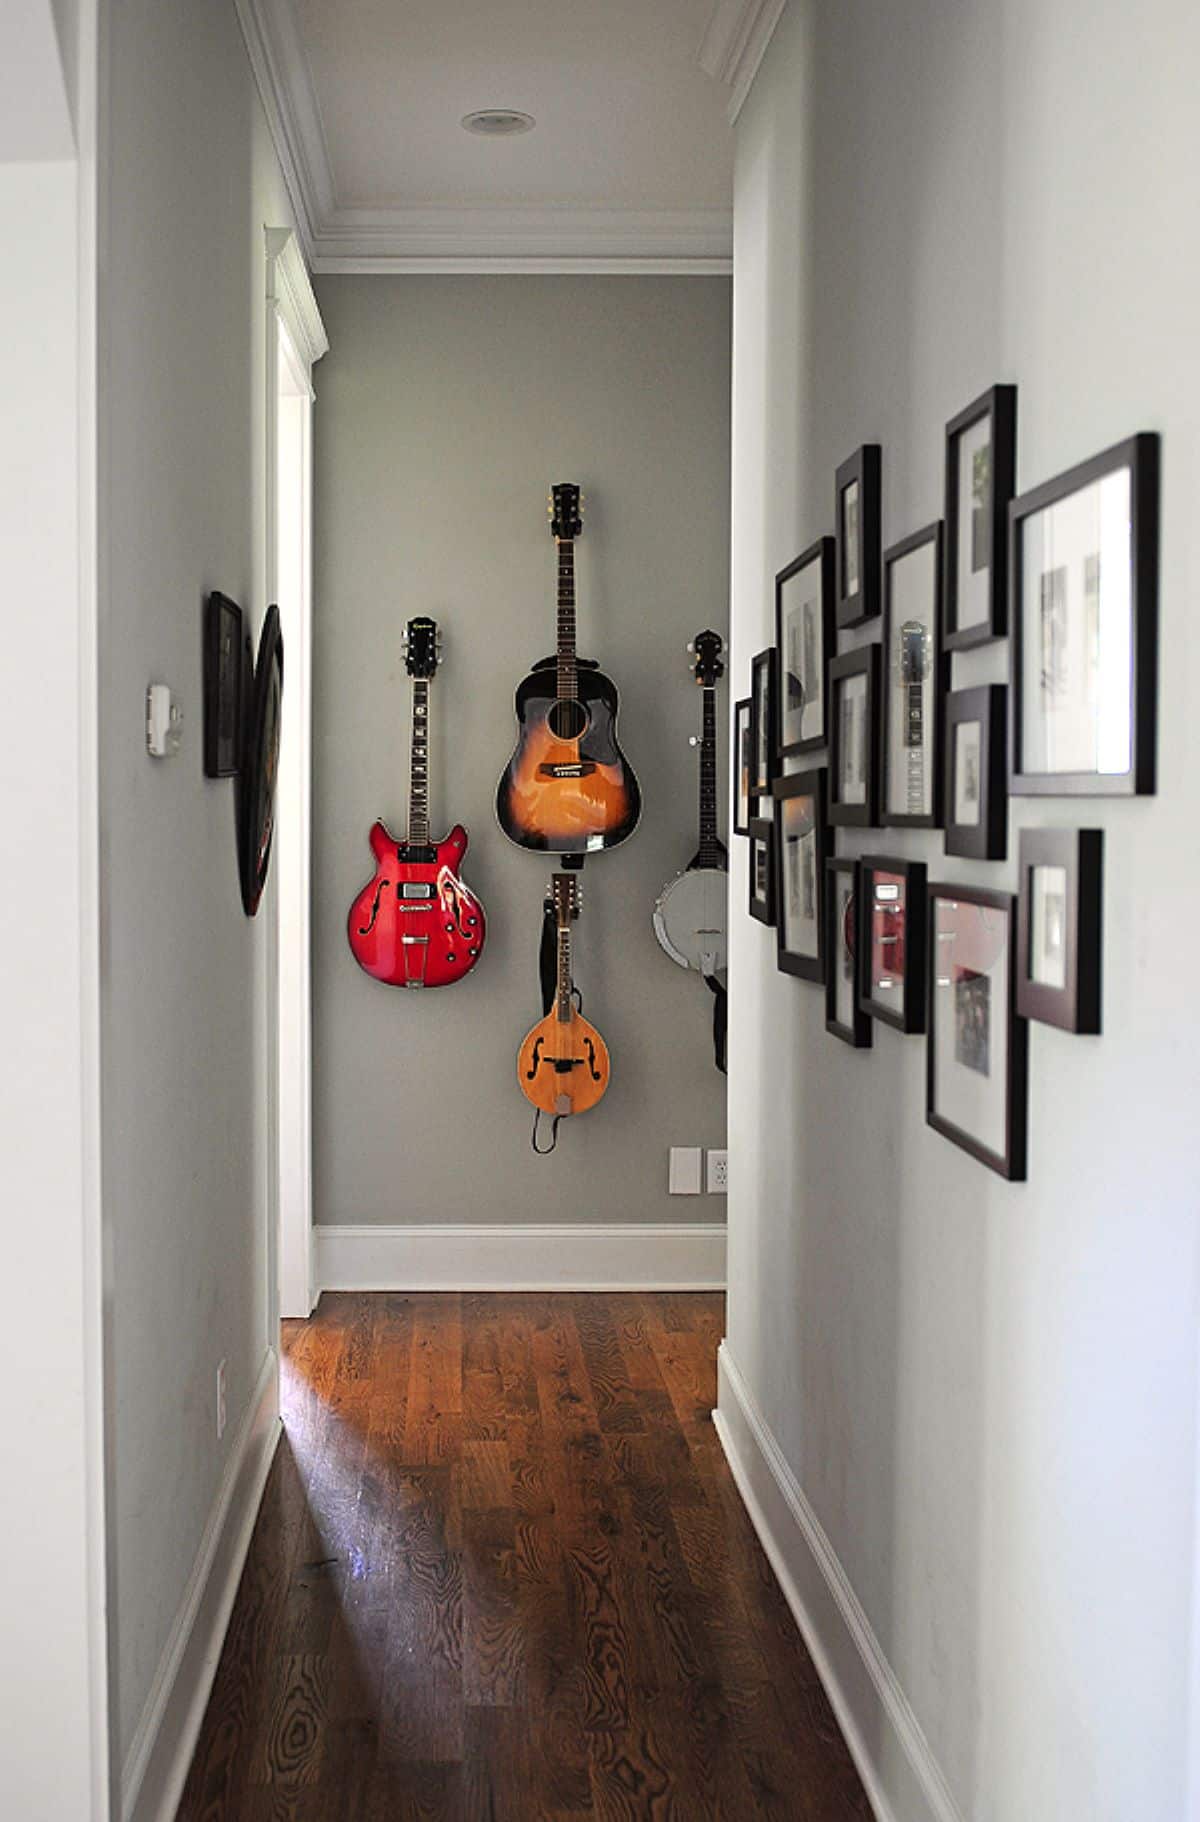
567	719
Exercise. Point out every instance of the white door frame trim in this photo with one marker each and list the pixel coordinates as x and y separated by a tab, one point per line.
295	336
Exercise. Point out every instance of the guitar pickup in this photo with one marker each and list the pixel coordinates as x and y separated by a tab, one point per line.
420	889
575	768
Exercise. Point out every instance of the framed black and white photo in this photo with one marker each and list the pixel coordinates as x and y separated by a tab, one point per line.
857	506
976	1078
801	846
743	752
914	680
762	869
764	740
804	639
843	944
223	709
1083	555
1059	927
981	477
891	956
976	795
854	742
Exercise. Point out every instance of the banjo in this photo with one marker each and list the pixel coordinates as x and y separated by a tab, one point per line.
689	918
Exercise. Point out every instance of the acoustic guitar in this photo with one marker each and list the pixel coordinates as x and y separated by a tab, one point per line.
568	788
562	1066
689	918
415	924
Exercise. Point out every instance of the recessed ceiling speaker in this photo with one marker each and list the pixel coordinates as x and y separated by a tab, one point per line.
498	123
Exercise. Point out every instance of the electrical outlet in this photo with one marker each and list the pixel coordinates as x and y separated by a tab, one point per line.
683	1178
220	1401
718	1173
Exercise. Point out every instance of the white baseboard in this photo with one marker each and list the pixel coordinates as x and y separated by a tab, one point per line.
165	1739
687	1257
903	1780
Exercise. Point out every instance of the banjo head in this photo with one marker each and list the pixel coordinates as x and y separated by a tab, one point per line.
689	919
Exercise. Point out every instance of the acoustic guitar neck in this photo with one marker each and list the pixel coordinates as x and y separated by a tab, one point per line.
568	668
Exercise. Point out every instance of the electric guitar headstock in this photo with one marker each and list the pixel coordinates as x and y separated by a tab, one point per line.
422	645
564	890
706	648
564	504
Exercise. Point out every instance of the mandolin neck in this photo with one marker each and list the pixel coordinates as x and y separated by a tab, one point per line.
710	847
568	672
562	1002
418	779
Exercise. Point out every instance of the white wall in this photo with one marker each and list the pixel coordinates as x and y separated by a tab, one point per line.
444	410
190	181
986	1391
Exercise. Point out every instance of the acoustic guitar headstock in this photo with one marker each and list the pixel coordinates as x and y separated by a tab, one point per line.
422	643
564	890
565	507
708	666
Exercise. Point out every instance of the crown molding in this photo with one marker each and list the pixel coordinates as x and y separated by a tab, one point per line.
735	43
450	239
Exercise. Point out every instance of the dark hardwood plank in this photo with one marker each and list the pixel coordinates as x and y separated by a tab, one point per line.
501	1573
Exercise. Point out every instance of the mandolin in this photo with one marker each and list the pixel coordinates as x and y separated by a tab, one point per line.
416	924
689	918
562	1066
568	788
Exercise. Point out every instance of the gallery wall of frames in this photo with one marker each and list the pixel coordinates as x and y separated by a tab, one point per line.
852	722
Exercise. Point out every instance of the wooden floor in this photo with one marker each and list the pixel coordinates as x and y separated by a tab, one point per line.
501	1573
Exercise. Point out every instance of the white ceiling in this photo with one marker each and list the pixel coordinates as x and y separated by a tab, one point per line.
628	168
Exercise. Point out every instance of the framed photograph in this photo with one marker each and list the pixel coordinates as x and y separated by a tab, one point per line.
914	681
764	740
976	794
1083	581
804	639
1058	927
801	848
743	748
981	478
222	686
843	939
891	964
854	743
976	1074
857	508
762	869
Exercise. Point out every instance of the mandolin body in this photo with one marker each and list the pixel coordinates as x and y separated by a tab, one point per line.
565	793
562	1066
415	924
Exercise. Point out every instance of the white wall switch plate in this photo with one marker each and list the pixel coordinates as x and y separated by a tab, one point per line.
684	1175
718	1173
220	1401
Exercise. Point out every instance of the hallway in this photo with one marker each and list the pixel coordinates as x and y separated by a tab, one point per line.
502	1572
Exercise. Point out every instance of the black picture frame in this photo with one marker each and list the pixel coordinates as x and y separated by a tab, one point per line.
860	1032
973	1019
986	838
819	555
897	655
761	894
807	790
1073	1004
764	741
998	407
743	761
862	661
260	769
905	927
859	554
1140	455
222	686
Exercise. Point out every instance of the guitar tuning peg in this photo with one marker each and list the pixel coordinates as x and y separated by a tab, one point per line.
693	740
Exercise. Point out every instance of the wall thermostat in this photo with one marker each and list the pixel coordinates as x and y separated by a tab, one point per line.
164	722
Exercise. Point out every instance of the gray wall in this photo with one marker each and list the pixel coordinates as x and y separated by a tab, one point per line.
986	1391
445	408
190	179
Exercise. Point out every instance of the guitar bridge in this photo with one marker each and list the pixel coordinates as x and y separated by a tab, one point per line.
574	768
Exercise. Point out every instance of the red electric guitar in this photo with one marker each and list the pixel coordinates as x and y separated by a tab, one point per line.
416	924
